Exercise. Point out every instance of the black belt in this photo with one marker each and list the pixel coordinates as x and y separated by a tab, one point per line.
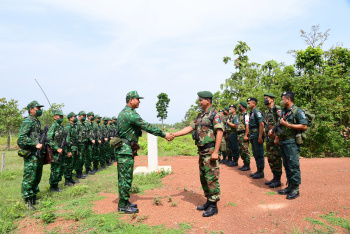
206	146
240	132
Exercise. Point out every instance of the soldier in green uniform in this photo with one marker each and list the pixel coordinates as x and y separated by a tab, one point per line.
256	132
82	141
272	118
129	125
56	136
71	149
242	135
110	150
291	124
223	149
208	132
104	147
114	132
28	142
227	132
231	129
90	142
96	149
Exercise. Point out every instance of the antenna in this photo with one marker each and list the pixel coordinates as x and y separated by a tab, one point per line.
43	92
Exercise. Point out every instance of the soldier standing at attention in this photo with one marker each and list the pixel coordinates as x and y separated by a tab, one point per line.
105	145
129	125
28	141
223	143
227	131
242	135
82	141
232	123
208	132
272	118
289	148
96	151
114	131
71	149
256	132
56	136
90	142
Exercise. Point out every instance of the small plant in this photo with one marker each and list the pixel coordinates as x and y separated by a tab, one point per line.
170	198
48	215
230	204
185	189
262	202
80	213
134	189
79	190
174	204
271	193
157	201
185	226
133	216
142	218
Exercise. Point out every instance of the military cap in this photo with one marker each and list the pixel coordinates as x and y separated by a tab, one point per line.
70	115
57	112
33	104
243	104
269	95
90	113
221	110
114	117
252	99
205	94
233	106
132	94
105	118
97	117
288	93
227	108
82	113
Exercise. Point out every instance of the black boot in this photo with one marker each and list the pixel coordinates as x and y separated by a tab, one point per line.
276	181
246	167
30	201
204	207
128	210
90	172
223	161
131	204
80	175
68	183
294	192
259	174
95	169
211	210
74	181
54	188
286	190
35	199
109	164
230	162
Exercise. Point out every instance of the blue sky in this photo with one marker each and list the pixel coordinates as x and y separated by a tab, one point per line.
89	54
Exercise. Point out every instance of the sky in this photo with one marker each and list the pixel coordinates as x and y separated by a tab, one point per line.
90	54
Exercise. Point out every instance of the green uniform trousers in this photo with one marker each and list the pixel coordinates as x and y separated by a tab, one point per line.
68	165
95	155
244	149
290	155
125	168
258	153
209	175
103	154
274	157
79	163
233	146
57	169
88	157
33	169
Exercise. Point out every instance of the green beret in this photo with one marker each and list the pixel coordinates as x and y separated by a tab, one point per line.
57	112
82	113
114	117
97	117
243	104
33	104
133	94
205	94
227	108
70	115
269	95
90	113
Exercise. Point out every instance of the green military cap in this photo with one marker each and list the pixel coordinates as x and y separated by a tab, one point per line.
57	112
133	94
82	113
114	117
243	104
33	104
97	117
269	95
205	94
105	118
227	108
90	113
70	115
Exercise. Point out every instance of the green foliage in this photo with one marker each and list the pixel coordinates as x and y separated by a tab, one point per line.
338	221
271	193
80	213
47	117
185	226
230	204
162	106
47	214
157	201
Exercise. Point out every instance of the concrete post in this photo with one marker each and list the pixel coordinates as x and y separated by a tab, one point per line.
152	152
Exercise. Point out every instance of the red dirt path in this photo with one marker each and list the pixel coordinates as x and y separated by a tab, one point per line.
325	187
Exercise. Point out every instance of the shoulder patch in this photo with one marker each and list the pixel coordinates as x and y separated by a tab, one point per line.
259	115
217	120
279	112
303	115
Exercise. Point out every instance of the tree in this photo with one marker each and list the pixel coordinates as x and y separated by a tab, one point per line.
47	117
10	118
162	106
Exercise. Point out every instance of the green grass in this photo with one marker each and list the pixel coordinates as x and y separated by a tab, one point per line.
230	204
271	193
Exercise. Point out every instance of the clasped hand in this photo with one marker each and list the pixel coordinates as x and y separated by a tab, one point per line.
169	136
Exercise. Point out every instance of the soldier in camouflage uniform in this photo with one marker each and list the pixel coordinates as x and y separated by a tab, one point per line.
223	143
104	147
28	141
71	149
242	135
227	131
232	123
110	150
96	150
114	133
208	132
89	143
272	117
129	125
55	136
82	141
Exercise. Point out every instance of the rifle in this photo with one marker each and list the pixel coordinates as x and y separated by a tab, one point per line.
278	126
43	140
63	143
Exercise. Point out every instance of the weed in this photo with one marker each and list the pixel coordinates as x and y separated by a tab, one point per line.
185	226
230	204
331	218
170	198
133	216
262	202
157	201
174	204
134	189
185	189
79	190
271	193
80	213
48	215
142	218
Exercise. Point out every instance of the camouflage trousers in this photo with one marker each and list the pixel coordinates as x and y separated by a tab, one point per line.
79	161
33	169
209	175
244	149
125	168
57	169
233	147
88	157
95	155
103	154
274	157
113	154
68	165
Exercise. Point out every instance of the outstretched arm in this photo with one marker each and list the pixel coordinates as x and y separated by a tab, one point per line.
183	131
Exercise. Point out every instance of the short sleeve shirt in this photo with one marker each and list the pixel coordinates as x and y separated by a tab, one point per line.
255	118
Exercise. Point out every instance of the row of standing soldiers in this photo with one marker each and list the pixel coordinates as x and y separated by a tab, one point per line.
83	142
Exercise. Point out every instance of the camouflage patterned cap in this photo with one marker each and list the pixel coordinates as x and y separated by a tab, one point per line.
205	94
82	113
132	94
97	117
33	104
90	113
114	117
243	104
57	112
70	115
105	118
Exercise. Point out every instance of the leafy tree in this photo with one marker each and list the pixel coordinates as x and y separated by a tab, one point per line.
10	118
162	106
47	117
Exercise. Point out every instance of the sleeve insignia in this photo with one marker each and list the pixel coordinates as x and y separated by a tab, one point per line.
259	115
303	115
279	112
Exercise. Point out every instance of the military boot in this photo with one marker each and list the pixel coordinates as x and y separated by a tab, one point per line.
286	190
90	172
246	167
95	169
35	199
109	164
74	181
276	181
211	210
229	162
204	207
30	203
68	183
223	161
259	174
128	210
54	188
294	192
131	204
80	175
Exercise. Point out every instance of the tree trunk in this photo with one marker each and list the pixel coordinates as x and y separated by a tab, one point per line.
8	140
162	125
